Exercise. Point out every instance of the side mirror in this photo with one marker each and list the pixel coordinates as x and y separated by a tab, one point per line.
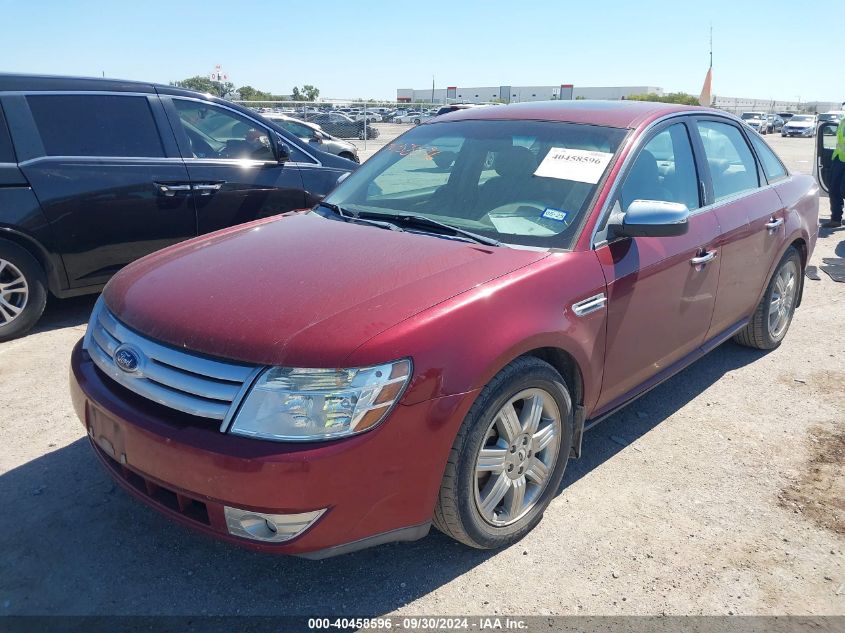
650	218
282	151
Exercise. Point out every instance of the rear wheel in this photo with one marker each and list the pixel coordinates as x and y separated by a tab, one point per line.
508	458
770	321
23	290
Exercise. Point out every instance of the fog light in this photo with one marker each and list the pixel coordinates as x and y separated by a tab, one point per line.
273	528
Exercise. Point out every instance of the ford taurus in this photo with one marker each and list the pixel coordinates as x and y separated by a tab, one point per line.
428	344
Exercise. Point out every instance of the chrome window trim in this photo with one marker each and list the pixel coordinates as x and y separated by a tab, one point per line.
607	206
83	159
317	162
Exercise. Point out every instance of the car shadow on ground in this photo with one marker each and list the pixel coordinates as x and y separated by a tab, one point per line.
74	543
62	313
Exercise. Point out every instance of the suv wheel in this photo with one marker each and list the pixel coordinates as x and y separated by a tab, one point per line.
508	458
771	319
23	290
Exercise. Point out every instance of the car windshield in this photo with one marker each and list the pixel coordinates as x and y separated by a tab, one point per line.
751	115
804	118
828	117
520	182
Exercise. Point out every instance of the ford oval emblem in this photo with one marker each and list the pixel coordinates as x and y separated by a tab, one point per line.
127	358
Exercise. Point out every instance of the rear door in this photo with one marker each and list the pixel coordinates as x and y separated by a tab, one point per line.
750	214
825	144
231	164
661	290
106	170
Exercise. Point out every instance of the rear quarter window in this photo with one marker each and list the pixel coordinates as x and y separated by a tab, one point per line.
7	152
772	166
95	125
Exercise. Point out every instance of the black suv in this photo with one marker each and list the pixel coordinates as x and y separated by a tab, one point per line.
96	173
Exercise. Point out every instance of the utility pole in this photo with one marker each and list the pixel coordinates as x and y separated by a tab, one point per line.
432	89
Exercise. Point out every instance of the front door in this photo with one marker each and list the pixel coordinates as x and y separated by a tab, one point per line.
825	144
231	163
660	290
107	173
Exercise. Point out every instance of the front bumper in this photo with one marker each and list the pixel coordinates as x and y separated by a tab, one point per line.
376	487
801	132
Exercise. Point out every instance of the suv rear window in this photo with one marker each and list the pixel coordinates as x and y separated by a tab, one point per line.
7	154
95	125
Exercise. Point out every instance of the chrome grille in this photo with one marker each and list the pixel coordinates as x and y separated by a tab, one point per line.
169	376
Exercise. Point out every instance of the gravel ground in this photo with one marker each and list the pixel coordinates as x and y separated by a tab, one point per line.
719	492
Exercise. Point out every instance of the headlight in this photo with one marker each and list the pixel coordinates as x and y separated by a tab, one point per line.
319	404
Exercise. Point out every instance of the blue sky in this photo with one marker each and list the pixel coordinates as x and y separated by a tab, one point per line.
368	48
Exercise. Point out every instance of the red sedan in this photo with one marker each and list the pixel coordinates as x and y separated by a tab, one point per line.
429	343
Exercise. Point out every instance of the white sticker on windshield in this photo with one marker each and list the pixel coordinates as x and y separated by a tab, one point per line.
580	165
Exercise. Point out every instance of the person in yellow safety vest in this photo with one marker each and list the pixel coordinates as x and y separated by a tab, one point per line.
836	186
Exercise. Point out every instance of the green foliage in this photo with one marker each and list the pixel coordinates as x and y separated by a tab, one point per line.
307	93
672	97
204	84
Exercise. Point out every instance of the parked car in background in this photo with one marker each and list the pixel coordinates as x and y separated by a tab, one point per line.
312	133
456	106
407	117
370	115
800	125
96	173
429	343
786	115
834	116
756	121
774	123
342	126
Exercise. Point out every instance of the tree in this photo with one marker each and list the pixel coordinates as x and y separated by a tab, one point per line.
204	84
672	97
248	93
308	93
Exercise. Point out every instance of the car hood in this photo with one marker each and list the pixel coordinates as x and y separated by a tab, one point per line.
298	290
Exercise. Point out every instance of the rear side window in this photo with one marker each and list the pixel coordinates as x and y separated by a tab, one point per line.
95	125
7	154
732	166
772	166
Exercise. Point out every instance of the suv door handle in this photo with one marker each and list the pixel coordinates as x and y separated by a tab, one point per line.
207	188
700	260
170	189
773	224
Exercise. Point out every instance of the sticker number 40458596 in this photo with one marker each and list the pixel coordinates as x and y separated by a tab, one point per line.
580	165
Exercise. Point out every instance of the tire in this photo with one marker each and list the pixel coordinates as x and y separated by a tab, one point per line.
458	511
23	290
416	121
766	330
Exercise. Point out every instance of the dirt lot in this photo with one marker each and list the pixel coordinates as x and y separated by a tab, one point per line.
720	492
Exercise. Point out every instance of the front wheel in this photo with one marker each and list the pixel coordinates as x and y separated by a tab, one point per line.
770	321
508	458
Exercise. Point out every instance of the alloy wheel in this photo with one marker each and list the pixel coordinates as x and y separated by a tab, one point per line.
14	292
517	457
783	299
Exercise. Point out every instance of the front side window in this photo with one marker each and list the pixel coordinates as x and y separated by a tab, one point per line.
520	182
298	129
664	170
772	166
732	166
95	125
215	132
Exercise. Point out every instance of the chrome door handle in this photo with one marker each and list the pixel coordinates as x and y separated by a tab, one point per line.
700	260
171	190
207	188
773	224
591	304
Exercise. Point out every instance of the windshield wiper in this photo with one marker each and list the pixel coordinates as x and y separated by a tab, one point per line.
421	220
353	217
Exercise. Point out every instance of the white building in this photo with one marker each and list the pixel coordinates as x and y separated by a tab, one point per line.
516	94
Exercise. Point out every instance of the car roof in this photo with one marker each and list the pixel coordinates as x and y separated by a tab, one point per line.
622	114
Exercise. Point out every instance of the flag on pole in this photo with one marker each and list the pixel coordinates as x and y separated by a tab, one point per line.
705	98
